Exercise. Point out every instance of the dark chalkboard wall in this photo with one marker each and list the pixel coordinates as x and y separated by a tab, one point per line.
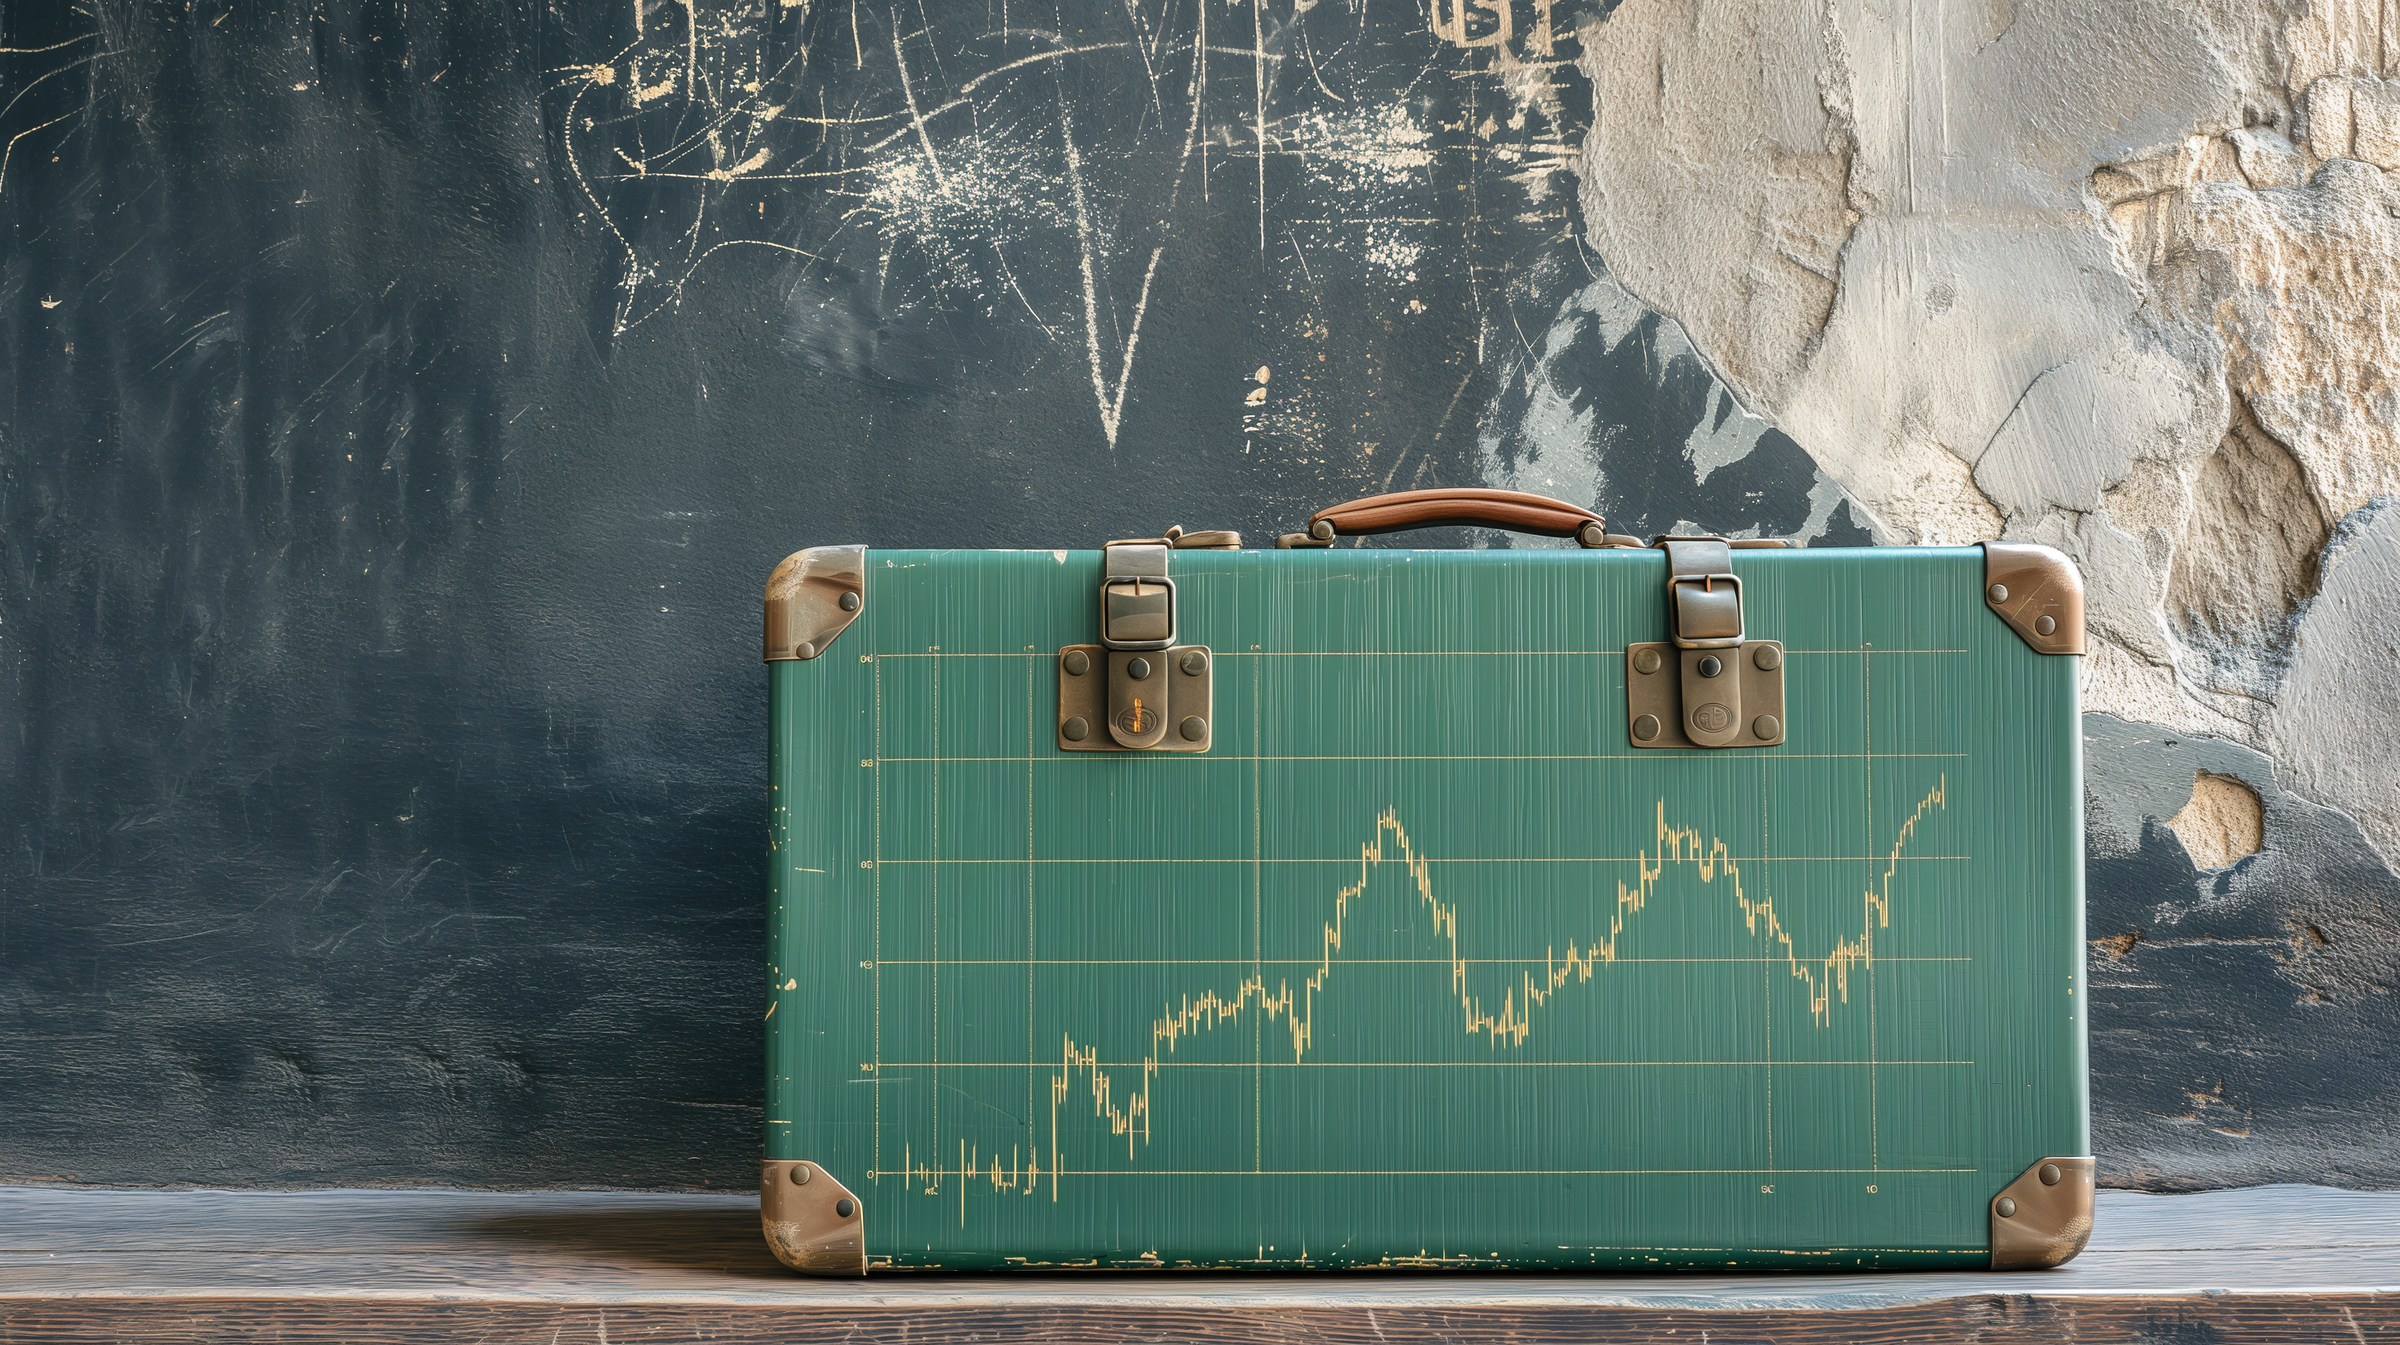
406	402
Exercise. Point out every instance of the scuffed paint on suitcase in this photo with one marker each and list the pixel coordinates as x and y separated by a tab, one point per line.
1424	961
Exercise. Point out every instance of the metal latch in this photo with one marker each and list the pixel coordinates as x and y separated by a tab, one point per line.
1709	684
1138	690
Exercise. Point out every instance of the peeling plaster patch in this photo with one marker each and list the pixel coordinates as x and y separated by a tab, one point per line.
1725	435
1554	432
1669	182
2242	1017
2122	278
2333	722
2222	823
2245	558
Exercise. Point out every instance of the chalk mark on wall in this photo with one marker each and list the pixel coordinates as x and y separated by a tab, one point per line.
900	164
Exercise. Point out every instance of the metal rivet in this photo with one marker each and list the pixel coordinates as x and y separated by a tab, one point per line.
1646	662
800	1174
1077	663
1322	529
1195	663
2043	625
849	602
1997	593
1076	729
1138	670
1646	727
1711	666
2050	1174
806	650
1193	728
1768	657
1766	727
845	1208
2006	1208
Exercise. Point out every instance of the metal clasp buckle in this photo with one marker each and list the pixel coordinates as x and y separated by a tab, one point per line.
1137	600
1138	690
1708	684
1707	619
1137	613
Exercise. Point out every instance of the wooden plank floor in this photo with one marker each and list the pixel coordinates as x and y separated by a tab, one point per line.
2270	1263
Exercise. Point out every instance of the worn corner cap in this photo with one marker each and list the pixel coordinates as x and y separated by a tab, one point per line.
812	1222
2038	592
2044	1217
812	597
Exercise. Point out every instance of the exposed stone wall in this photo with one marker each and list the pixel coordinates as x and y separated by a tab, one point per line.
2119	277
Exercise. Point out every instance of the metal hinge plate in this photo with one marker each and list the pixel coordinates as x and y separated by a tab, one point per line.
1668	700
1131	700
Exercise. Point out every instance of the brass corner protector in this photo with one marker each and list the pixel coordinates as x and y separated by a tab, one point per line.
2044	1217
812	597
812	1222
2037	592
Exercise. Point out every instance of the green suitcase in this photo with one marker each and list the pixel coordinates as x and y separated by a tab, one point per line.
1696	903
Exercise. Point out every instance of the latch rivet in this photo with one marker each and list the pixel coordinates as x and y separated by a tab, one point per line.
1646	662
1997	593
800	1174
846	1208
1138	670
849	602
1193	728
1076	729
1646	727
2006	1208
1766	726
1195	663
1768	658
2050	1174
1077	663
2043	625
1710	666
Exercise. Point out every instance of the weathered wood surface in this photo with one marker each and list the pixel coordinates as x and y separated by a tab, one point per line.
2270	1263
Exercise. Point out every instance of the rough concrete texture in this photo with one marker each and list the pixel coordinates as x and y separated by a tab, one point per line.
2121	277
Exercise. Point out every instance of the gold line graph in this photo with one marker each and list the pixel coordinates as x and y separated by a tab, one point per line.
1826	980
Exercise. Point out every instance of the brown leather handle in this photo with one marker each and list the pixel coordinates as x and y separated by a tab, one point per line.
1514	510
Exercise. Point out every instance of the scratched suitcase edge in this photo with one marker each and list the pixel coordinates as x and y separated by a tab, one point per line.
1423	964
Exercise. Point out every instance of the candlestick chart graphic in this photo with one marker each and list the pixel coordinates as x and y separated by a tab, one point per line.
1130	1060
1293	1006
